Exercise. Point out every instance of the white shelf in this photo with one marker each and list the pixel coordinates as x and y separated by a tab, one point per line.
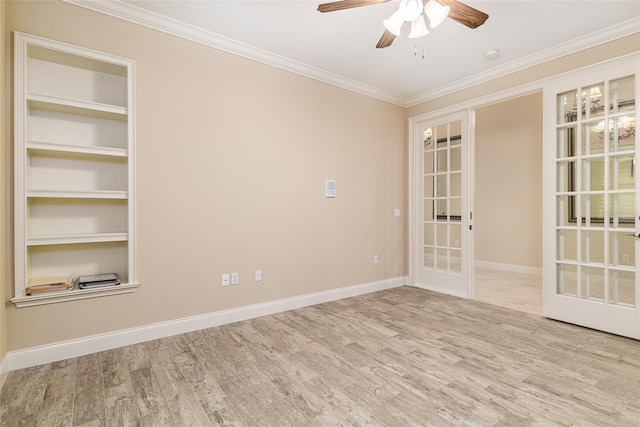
67	239
74	172
73	294
76	149
73	106
67	194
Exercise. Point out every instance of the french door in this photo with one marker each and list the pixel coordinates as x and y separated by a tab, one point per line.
591	209
441	218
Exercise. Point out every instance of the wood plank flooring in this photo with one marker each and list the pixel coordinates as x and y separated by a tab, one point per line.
402	357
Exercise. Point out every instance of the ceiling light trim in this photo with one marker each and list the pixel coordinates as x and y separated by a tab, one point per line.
158	22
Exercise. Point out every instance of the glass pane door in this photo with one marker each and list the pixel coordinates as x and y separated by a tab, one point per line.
596	214
441	198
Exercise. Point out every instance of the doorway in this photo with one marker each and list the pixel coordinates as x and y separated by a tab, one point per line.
507	188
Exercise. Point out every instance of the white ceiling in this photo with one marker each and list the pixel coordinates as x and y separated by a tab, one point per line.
339	47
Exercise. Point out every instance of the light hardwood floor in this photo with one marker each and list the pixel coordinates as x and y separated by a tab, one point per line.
402	357
520	291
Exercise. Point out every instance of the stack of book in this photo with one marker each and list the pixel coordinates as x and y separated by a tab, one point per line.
98	281
39	285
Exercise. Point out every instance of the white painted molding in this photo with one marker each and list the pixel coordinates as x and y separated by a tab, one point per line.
158	22
514	268
4	370
155	21
590	40
73	348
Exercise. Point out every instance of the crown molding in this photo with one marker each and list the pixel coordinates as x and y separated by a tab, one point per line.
608	34
158	22
155	21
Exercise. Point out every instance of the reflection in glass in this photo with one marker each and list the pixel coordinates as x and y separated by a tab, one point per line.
621	173
428	162
441	185
622	288
428	210
442	260
456	164
442	234
593	101
441	162
566	140
592	283
566	245
567	280
429	235
622	249
592	246
567	104
622	95
429	258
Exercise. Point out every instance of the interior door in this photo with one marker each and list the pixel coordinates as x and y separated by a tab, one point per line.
442	217
592	214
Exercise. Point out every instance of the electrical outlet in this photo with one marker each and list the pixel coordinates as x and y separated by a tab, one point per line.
225	279
258	275
376	259
235	278
396	213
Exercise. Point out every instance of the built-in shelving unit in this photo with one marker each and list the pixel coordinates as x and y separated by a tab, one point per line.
74	167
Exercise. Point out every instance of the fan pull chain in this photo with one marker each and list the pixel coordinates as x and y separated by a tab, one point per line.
415	52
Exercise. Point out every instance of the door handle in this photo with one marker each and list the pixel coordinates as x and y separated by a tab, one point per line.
637	236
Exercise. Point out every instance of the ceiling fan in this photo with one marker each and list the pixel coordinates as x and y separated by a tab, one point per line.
411	11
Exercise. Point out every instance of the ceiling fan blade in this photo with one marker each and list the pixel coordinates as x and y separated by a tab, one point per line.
466	15
386	39
346	4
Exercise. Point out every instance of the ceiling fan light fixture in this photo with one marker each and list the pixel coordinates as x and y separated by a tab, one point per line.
410	9
418	28
394	24
436	12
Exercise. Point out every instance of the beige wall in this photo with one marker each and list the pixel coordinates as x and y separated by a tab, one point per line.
508	182
232	158
5	189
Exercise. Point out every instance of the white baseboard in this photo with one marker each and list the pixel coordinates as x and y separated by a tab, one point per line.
4	370
515	268
78	347
441	290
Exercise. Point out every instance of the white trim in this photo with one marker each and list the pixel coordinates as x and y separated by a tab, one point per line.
439	290
572	46
77	347
136	15
155	21
514	268
4	370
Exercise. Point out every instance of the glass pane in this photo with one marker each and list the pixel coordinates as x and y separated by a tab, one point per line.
622	206
429	258
566	142
455	130
593	138
565	176
428	210
622	94
593	101
456	163
456	210
442	186
593	213
428	139
455	261
621	133
442	160
442	259
592	283
593	174
428	186
567	107
566	210
456	184
621	171
566	245
454	235
567	280
592	246
442	209
429	235
428	162
442	136
622	249
442	234
622	289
